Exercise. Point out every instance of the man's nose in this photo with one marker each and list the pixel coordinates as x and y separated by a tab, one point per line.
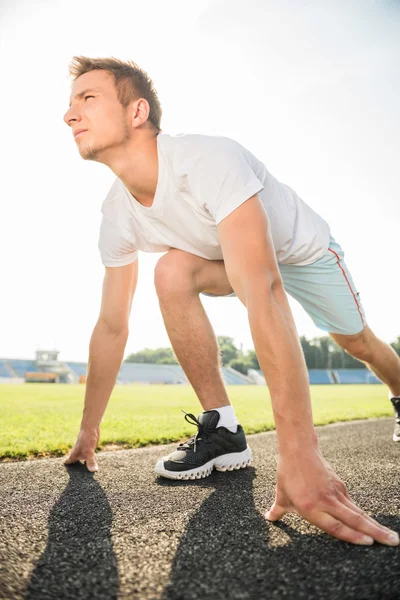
70	116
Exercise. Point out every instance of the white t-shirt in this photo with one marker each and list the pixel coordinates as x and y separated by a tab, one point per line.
201	180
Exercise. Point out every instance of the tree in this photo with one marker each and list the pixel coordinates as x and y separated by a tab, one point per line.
308	351
252	360
160	356
240	365
396	345
319	353
227	348
325	353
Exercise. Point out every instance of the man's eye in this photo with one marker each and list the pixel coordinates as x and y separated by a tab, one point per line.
89	97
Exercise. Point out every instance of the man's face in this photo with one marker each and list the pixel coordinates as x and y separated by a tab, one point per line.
94	107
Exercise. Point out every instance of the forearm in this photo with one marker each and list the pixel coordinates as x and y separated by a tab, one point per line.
106	352
282	362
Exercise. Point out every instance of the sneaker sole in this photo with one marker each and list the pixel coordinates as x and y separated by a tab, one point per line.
396	438
225	462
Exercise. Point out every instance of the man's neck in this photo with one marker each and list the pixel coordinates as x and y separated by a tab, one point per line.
137	168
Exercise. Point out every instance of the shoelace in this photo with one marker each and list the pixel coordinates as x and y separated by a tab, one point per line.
200	434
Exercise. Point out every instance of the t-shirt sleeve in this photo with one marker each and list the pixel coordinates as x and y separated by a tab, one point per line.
115	248
222	179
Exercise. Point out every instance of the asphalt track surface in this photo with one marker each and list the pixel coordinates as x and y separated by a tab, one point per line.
123	533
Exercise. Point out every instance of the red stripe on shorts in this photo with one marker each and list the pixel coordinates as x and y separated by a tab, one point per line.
348	283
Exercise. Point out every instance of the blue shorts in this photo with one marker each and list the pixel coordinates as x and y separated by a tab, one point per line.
326	291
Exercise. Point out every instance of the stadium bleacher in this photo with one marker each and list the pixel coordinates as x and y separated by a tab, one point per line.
4	372
320	376
345	376
316	376
174	374
20	367
232	377
147	373
356	376
79	368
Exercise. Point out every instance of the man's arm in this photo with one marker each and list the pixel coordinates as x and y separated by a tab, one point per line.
306	483
106	352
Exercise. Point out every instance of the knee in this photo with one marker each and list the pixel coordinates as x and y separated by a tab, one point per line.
359	346
173	273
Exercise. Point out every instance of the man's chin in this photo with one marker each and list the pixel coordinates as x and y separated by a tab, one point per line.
99	154
89	153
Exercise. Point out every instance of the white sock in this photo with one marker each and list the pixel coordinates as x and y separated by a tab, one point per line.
227	418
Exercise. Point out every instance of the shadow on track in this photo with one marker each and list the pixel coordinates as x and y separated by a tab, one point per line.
229	550
79	561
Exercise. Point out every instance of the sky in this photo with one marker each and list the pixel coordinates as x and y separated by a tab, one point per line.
310	87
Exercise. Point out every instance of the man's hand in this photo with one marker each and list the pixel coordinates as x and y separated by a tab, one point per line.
307	485
84	449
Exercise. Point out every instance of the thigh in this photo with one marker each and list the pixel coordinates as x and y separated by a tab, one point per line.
327	292
212	279
203	275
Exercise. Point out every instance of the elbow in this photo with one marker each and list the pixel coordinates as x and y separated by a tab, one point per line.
113	328
257	285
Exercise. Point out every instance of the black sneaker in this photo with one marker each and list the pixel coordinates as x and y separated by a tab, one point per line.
210	448
396	404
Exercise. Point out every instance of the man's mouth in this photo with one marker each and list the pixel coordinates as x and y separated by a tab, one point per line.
79	132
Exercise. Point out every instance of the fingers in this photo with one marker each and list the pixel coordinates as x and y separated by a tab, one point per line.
350	504
327	523
355	527
344	520
90	461
338	529
70	459
91	464
276	512
347	512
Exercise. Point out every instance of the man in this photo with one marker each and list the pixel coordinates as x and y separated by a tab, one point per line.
228	228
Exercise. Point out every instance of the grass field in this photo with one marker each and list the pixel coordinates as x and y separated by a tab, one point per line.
43	420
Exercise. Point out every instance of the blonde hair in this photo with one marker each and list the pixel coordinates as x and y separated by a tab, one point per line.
131	82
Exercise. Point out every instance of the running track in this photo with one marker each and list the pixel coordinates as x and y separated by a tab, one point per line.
65	534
